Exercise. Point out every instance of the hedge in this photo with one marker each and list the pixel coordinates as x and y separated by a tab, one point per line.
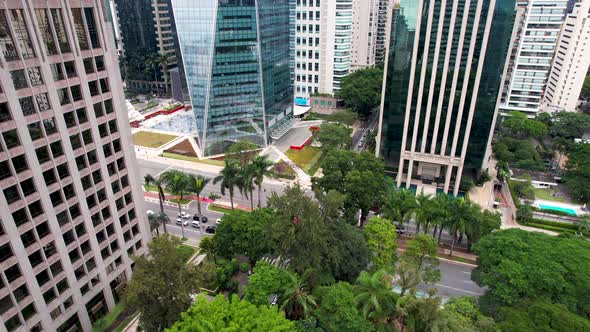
555	224
551	228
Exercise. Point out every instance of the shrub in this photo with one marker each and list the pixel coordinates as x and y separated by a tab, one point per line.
244	267
214	196
550	228
283	170
555	224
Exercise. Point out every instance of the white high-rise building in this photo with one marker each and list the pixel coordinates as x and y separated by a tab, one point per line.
364	33
71	209
571	61
533	45
321	45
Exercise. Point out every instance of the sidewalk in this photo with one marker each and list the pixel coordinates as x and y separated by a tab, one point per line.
459	254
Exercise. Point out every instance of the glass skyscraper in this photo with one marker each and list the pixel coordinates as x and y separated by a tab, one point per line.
443	72
236	58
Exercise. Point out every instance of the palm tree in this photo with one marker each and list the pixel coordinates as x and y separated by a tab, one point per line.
154	223
460	214
198	184
246	183
440	206
261	165
158	183
422	210
374	296
229	178
399	205
177	183
297	302
584	224
164	60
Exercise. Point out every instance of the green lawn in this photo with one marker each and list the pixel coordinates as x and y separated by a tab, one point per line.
186	252
192	159
105	323
211	207
307	158
545	194
151	140
182	201
151	187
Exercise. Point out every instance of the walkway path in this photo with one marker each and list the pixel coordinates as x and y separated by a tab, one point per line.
303	178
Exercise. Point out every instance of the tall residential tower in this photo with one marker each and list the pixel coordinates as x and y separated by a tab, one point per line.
236	59
442	76
571	61
71	211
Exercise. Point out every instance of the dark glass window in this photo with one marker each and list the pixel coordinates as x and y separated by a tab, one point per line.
92	29
4	110
11	138
19	80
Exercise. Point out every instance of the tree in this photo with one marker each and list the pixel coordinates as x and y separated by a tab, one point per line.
198	184
348	253
586	86
516	264
164	60
523	187
422	211
484	223
266	280
440	211
540	315
155	220
460	214
569	125
399	205
229	178
577	174
296	300
334	136
418	263
162	284
246	185
241	151
177	183
361	90
244	233
261	166
519	153
222	314
462	314
161	197
520	126
381	238
345	117
337	310
374	297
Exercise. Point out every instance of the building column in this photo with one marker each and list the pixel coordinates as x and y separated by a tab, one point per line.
448	178
458	180
410	170
400	172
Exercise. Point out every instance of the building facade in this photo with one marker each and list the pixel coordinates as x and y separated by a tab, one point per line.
321	45
71	212
149	44
236	59
364	33
571	61
531	54
442	77
386	13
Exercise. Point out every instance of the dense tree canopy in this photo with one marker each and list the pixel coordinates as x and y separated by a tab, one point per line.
515	264
334	136
161	285
577	176
222	314
520	153
517	124
381	238
337	309
532	316
264	282
569	125
361	90
462	314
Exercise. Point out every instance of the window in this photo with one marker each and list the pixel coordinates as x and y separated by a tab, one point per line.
27	106
93	87
57	71
88	66
19	79
19	26
4	170
75	141
56	149
28	187
60	31
98	111
70	67
99	60
69	119
104	85
7	46
20	163
11	139
79	27
91	25
35	76
76	93
81	114
11	194
5	253
46	33
12	273
87	136
42	102
4	112
64	97
35	130
42	154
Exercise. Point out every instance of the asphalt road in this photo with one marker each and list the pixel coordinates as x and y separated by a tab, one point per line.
358	134
455	280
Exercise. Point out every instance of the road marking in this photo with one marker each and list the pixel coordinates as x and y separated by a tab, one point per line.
164	170
459	289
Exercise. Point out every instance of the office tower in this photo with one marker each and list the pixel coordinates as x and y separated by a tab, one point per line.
236	59
150	44
443	73
364	33
384	16
571	61
531	54
71	210
323	32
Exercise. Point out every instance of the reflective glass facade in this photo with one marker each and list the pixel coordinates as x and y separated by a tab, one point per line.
236	58
440	94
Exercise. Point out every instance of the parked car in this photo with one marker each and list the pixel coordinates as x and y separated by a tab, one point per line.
210	229
361	143
180	221
218	221
196	218
195	224
184	215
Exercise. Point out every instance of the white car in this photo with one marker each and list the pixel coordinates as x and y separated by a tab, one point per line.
179	221
184	215
218	221
149	212
195	224
361	143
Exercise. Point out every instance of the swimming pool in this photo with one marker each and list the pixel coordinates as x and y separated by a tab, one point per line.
547	207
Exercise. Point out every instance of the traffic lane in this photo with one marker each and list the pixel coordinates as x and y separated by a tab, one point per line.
455	280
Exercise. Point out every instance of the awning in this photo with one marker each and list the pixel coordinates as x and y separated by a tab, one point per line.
298	110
